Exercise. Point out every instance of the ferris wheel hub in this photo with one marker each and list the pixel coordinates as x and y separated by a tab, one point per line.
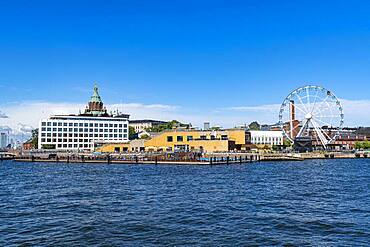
308	116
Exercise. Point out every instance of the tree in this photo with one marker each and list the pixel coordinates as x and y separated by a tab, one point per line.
35	138
362	145
287	143
131	133
144	136
167	126
254	126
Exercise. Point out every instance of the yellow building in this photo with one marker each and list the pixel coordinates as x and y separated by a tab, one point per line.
184	140
132	146
208	141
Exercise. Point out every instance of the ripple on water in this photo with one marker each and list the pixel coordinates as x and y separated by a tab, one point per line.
323	202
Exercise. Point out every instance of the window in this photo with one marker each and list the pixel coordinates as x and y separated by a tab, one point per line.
179	138
203	137
43	123
81	124
65	124
169	139
48	129
70	124
189	138
86	125
43	129
48	124
54	129
54	124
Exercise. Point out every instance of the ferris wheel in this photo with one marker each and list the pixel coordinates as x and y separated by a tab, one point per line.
312	112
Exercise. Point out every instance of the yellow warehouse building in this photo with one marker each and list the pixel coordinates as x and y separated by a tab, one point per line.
184	140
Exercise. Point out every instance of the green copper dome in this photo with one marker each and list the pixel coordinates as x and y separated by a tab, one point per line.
96	97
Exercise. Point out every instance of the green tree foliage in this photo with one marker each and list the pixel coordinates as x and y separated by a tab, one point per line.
145	136
287	143
131	133
167	126
362	145
254	126
35	138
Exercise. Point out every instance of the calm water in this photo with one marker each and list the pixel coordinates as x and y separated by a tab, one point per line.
321	203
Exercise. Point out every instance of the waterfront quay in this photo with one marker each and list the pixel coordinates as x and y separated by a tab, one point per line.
183	158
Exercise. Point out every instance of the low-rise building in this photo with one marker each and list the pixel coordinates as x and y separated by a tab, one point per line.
269	138
142	125
195	140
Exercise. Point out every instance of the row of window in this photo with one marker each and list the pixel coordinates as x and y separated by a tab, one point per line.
267	139
190	138
82	130
74	146
80	140
79	135
59	124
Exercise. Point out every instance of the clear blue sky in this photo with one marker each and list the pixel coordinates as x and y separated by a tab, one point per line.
190	53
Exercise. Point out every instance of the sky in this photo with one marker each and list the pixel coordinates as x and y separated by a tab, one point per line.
227	62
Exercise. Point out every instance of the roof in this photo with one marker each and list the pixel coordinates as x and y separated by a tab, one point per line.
96	97
147	121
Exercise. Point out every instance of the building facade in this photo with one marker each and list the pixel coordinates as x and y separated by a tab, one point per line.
3	140
142	125
270	138
81	132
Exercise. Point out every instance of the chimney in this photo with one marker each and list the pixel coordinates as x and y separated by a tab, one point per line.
292	118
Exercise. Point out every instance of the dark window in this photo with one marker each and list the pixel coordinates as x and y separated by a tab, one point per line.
179	138
169	139
189	138
43	124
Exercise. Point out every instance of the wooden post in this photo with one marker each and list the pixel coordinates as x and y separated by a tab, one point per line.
82	158
136	159
156	160
108	159
227	160
240	159
67	158
32	158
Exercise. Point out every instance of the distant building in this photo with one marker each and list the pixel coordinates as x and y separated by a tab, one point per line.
271	138
207	126
81	132
3	140
141	125
27	145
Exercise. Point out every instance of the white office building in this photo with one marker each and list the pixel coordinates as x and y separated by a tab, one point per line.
272	138
83	131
